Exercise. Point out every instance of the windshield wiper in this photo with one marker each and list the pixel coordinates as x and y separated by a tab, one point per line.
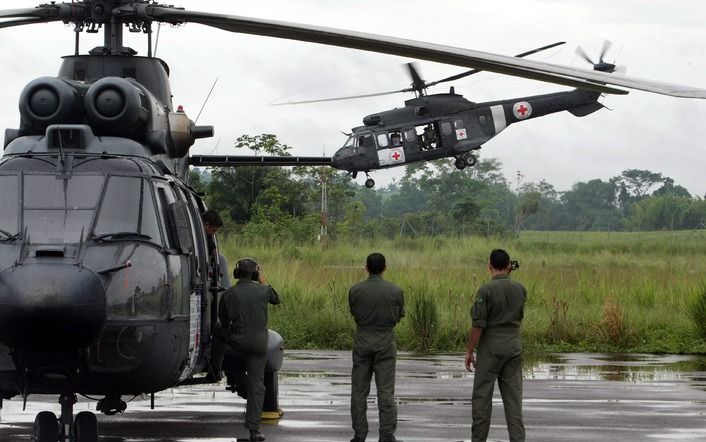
120	235
8	236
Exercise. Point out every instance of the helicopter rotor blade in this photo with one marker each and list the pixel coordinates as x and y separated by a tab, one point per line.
606	47
568	76
581	53
475	71
44	11
418	84
349	97
565	75
42	14
21	22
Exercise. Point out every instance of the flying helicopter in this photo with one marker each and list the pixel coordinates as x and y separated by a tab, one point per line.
107	287
430	127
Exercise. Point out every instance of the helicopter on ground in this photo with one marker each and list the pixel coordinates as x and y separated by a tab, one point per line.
108	281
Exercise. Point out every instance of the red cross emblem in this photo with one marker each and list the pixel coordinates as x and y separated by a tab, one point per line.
522	110
396	156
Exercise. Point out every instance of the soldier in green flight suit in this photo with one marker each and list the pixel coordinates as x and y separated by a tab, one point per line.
497	313
377	306
243	314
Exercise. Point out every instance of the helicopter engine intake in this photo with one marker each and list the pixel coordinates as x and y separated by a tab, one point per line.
49	100
116	105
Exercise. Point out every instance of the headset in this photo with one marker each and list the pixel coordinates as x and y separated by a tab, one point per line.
247	265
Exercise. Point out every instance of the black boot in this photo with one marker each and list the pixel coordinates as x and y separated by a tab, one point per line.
256	436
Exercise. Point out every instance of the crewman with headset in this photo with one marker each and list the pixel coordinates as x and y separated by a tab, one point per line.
243	315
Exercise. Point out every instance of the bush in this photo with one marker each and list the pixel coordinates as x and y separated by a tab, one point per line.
613	327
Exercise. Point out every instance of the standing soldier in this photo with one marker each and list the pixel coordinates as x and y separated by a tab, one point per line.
243	314
377	306
497	314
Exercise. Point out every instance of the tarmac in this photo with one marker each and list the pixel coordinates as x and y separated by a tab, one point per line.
567	397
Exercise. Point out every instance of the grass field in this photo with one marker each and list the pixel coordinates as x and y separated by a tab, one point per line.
591	291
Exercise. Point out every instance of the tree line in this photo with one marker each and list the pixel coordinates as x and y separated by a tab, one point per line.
434	198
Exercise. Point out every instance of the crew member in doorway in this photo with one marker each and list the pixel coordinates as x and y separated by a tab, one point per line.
243	314
497	313
377	306
395	139
429	137
212	222
218	275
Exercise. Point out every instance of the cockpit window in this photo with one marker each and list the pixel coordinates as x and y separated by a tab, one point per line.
350	142
9	195
59	209
366	140
128	207
50	191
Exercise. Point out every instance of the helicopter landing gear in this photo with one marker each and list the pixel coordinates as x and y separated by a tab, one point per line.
369	183
470	160
47	428
85	428
464	160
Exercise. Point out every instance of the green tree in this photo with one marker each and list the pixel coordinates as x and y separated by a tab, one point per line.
591	206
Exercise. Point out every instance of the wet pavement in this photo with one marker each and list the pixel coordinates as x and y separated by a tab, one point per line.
569	397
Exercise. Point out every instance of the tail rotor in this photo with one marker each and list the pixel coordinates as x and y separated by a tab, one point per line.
601	65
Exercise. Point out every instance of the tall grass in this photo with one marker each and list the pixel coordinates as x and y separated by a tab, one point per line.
587	291
697	311
424	321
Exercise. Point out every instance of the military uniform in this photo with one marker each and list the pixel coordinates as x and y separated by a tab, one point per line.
243	313
498	310
377	306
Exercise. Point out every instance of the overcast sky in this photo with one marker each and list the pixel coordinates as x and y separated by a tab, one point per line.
657	39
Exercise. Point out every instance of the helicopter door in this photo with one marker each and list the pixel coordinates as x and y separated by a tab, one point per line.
197	261
178	265
411	141
366	145
448	135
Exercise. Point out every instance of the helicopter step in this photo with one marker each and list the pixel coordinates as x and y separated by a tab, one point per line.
465	160
49	428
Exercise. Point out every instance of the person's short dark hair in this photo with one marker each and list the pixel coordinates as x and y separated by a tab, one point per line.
499	259
375	263
213	218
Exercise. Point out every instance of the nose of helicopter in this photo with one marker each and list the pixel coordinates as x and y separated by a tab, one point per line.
343	158
50	307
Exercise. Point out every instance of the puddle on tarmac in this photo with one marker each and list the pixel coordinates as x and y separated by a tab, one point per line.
635	368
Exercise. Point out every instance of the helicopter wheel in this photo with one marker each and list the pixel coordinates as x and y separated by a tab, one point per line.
46	427
85	428
370	183
460	163
470	160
